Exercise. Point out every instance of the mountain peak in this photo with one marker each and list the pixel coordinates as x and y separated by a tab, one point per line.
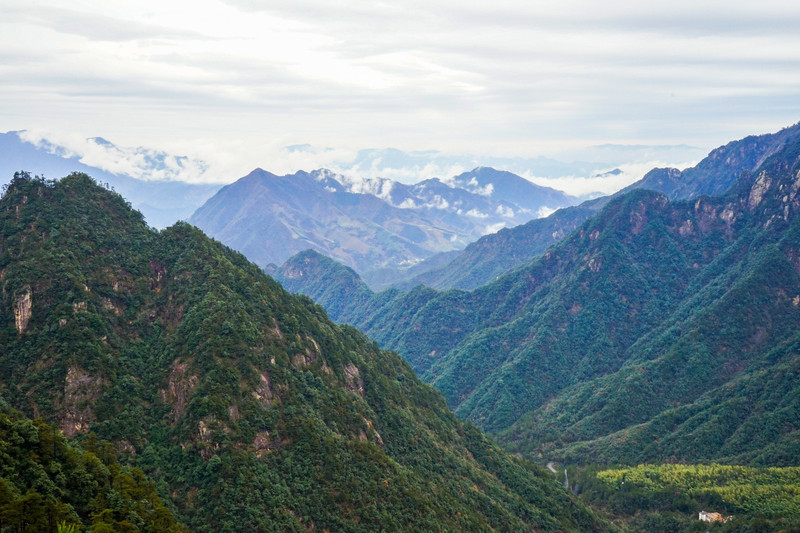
367	224
100	141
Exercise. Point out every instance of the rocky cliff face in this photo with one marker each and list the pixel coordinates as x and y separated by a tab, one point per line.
81	392
22	310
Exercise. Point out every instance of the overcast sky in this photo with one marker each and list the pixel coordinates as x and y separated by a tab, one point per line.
235	81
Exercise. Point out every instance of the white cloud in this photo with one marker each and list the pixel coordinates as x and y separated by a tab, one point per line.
505	211
408	203
140	163
473	186
544	211
475	213
486	190
233	82
601	181
437	202
493	228
380	187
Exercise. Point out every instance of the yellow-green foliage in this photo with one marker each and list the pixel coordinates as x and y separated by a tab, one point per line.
769	491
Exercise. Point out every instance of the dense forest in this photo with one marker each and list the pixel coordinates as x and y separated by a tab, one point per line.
658	330
49	484
158	381
243	404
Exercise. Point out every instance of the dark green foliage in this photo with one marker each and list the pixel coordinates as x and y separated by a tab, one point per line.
337	287
249	409
46	484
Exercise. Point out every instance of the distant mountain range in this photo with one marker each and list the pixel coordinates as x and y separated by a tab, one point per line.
498	253
658	329
594	160
386	246
162	201
372	224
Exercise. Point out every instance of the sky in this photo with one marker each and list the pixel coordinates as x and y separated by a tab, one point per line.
235	82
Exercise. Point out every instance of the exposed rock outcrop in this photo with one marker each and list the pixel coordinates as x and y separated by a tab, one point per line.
22	310
758	190
205	437
179	389
81	391
264	443
263	392
159	276
353	380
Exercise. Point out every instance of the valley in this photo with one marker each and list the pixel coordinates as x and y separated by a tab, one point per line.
659	330
402	267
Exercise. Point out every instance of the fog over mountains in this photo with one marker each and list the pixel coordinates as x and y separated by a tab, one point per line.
146	178
602	168
383	215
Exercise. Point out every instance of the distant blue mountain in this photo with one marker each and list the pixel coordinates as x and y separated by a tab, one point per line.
369	224
162	202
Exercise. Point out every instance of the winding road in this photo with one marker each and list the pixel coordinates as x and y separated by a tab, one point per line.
552	467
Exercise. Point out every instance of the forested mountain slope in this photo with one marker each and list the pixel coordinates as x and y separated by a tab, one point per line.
715	174
496	254
249	409
45	482
717	378
621	342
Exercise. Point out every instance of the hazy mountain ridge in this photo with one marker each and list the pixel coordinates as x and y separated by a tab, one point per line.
247	406
716	173
366	224
162	201
552	346
593	160
495	254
